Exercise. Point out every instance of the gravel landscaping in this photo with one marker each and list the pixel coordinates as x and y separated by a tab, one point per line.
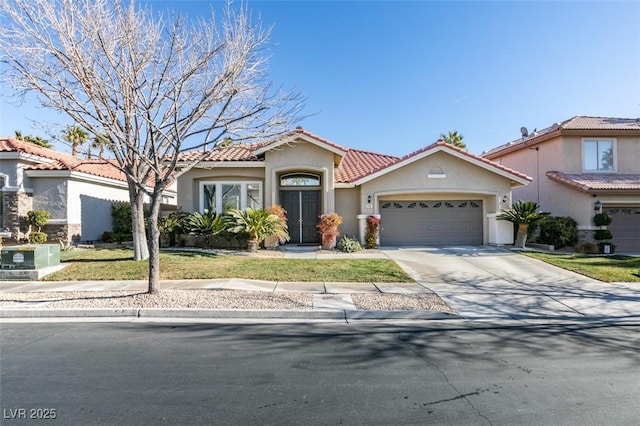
212	299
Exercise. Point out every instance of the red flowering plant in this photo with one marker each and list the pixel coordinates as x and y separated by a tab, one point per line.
328	229
371	233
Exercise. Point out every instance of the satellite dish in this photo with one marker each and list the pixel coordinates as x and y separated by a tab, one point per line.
524	132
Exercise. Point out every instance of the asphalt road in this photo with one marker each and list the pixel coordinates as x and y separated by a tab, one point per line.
365	373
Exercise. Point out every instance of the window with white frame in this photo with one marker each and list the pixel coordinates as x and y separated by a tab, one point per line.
218	197
598	155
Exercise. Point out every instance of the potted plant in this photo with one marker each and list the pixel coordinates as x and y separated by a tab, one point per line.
523	214
272	241
257	224
328	229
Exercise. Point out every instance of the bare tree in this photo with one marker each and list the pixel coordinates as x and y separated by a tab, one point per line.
155	86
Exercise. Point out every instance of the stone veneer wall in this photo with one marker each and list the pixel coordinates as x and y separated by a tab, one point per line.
15	206
64	232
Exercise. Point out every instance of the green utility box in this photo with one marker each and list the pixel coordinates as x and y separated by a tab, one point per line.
32	256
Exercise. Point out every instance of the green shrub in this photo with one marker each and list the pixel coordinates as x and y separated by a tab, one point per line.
603	234
108	237
560	231
602	219
586	248
38	218
37	237
349	245
612	247
121	215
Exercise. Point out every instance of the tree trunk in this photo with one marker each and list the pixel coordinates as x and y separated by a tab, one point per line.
154	244
521	236
140	249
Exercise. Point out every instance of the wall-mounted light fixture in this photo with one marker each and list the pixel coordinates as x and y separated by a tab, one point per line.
368	199
505	198
597	206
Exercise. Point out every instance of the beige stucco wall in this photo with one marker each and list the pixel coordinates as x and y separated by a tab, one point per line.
347	207
300	156
463	180
189	184
564	154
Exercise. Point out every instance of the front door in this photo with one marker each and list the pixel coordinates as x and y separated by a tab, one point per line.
303	209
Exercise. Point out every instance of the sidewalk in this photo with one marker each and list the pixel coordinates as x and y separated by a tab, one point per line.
331	300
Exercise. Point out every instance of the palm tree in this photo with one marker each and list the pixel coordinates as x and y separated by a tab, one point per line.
523	214
454	138
258	224
76	136
100	143
36	140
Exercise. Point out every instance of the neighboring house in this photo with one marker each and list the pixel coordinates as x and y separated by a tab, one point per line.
439	195
77	192
581	166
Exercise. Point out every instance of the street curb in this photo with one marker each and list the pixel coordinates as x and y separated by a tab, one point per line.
224	313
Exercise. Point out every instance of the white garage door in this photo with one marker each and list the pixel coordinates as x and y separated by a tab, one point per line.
439	223
625	227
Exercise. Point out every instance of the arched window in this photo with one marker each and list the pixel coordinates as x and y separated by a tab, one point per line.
300	179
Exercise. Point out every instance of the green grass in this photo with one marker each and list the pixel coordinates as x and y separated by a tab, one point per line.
603	268
118	264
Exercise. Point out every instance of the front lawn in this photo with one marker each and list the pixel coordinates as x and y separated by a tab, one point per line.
118	264
603	268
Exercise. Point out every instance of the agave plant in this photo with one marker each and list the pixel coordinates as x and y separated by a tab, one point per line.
523	214
257	224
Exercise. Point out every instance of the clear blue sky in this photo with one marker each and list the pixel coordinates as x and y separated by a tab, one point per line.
390	77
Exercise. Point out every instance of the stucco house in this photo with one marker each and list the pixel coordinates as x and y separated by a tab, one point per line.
438	195
77	192
580	167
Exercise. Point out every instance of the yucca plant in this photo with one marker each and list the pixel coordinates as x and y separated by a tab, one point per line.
523	214
257	224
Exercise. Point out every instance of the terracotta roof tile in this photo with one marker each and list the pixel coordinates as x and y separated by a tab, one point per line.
239	152
588	182
96	167
357	164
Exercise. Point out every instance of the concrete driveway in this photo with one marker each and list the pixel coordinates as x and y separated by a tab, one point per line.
487	283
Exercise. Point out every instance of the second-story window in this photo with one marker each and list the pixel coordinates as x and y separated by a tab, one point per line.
598	155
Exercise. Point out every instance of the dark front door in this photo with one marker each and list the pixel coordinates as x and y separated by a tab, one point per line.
303	208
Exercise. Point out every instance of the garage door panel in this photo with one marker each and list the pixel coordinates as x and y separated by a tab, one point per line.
625	227
431	222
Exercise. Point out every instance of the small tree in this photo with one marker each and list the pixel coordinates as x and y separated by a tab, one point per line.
37	218
523	214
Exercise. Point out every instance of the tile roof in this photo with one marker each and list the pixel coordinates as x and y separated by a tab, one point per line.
239	152
589	182
61	161
577	123
356	164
